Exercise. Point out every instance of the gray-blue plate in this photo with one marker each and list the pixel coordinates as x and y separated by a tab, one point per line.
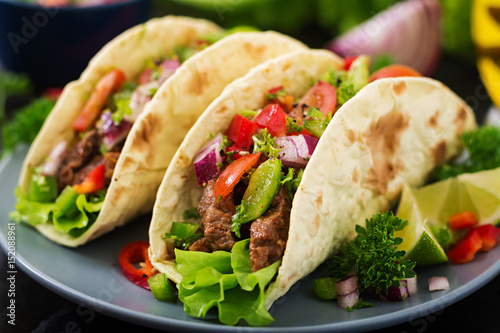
90	276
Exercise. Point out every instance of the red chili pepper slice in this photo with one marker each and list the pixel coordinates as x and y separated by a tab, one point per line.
134	253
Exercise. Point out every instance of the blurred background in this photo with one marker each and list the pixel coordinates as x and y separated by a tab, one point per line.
44	45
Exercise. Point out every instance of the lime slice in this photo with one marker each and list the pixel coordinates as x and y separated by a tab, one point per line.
419	243
483	190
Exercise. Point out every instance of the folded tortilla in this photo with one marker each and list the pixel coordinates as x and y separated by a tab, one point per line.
393	132
161	127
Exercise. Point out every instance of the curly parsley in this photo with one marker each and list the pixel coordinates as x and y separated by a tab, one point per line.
374	255
264	142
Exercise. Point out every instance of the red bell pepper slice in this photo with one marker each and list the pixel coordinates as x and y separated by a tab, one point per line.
489	234
462	220
322	96
136	253
240	131
273	118
109	83
94	181
232	174
466	248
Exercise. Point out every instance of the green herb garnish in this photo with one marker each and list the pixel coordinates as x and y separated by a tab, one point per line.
374	255
292	182
264	143
483	146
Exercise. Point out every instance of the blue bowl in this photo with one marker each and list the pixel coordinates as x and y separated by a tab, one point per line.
54	45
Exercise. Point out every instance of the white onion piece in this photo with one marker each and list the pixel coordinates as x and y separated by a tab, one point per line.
409	31
140	97
54	159
114	133
296	150
347	285
407	288
208	161
438	283
168	67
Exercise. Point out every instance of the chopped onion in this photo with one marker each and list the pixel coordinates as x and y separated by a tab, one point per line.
54	159
348	292
296	150
140	97
438	283
409	31
407	288
168	67
208	161
114	133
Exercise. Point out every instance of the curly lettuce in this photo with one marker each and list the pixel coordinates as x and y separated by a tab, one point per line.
224	280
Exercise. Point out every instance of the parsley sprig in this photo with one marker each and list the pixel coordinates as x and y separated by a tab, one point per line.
264	142
374	255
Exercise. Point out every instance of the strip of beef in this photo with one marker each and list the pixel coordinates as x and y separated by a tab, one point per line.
216	219
269	233
83	172
200	245
110	160
83	152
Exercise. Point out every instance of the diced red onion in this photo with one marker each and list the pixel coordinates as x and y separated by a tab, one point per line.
54	159
296	149
407	288
168	67
410	31
348	292
114	133
208	161
438	283
140	97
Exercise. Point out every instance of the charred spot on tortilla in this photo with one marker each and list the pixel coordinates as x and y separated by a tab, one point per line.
383	141
355	175
183	159
460	119
222	109
433	121
351	136
399	88
199	81
439	152
255	51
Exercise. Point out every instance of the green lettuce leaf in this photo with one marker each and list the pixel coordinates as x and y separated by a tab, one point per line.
72	217
226	281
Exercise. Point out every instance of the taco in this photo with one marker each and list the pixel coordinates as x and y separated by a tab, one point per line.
102	152
279	169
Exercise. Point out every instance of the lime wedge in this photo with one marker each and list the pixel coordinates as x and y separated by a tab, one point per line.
419	243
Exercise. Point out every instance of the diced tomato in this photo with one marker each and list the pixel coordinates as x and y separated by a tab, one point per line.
273	118
348	62
136	253
94	181
322	96
462	220
109	83
393	71
232	174
285	101
489	234
466	248
240	131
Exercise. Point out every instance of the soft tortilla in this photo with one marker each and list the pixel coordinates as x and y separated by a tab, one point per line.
393	132
165	120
